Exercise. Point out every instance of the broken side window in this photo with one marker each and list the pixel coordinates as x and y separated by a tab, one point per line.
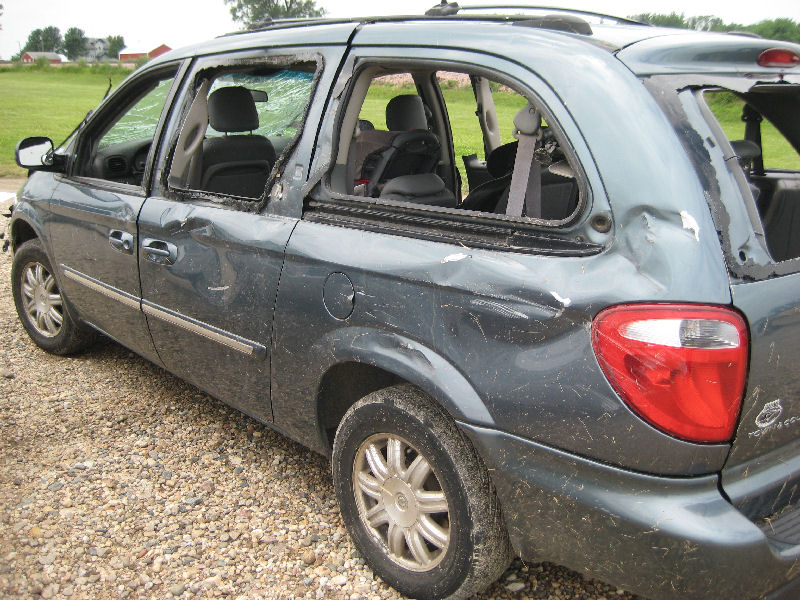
402	132
241	122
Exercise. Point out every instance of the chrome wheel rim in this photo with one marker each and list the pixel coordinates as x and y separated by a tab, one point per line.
401	502
41	300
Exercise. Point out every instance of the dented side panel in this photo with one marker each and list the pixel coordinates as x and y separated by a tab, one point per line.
513	329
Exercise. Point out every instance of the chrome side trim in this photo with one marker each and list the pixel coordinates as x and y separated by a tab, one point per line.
98	286
220	336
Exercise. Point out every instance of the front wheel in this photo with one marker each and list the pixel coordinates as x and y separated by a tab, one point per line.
416	497
40	304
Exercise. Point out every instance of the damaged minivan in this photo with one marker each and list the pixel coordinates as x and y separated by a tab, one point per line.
530	278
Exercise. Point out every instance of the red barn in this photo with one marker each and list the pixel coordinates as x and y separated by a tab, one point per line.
134	56
50	57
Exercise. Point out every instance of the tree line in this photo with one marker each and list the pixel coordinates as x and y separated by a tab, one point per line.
774	29
74	43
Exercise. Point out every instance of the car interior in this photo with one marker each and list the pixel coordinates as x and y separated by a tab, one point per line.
410	155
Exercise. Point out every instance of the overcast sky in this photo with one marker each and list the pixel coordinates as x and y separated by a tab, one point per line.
146	24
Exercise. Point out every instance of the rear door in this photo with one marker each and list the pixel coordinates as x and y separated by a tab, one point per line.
210	260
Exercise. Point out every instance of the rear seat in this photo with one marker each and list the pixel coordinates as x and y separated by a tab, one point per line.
782	220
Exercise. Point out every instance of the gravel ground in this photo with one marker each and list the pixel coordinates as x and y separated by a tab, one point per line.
118	480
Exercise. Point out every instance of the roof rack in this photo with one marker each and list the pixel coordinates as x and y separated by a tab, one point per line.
445	8
451	10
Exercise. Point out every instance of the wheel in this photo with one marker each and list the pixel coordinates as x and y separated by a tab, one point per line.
41	306
416	497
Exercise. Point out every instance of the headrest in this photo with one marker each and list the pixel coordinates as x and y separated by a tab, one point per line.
500	161
404	113
232	109
745	151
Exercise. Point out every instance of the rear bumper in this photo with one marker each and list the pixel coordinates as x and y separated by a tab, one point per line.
664	538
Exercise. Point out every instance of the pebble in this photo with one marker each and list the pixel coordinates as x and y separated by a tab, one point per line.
127	483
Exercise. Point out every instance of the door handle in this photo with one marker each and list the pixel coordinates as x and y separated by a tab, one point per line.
159	251
121	241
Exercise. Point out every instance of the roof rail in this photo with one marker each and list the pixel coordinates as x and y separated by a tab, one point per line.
445	8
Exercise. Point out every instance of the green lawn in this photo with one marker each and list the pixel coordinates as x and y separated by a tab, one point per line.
51	102
460	102
778	153
47	102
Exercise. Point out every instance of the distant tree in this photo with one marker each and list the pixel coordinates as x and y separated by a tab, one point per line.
777	29
251	13
51	39
706	23
1	14
115	44
671	20
74	43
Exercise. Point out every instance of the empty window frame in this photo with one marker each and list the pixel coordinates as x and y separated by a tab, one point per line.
404	131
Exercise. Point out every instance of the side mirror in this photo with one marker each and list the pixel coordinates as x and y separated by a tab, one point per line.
35	153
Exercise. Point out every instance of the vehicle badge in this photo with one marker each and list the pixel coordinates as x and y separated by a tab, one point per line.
769	414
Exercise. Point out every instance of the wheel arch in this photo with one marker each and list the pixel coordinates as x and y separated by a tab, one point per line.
22	230
366	361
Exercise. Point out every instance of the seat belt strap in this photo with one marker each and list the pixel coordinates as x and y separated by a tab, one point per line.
525	190
533	195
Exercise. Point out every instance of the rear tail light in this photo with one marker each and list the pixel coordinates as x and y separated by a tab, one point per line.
682	368
778	57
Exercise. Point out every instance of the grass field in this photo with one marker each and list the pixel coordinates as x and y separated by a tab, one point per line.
46	102
51	102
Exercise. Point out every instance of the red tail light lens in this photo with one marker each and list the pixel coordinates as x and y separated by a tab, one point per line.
778	57
682	368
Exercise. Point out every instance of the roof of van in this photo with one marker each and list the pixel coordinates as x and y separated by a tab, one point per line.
645	49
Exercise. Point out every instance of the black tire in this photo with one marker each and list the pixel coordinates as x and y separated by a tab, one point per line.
68	336
477	550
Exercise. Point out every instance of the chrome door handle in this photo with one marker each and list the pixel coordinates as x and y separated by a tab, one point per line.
121	241
159	251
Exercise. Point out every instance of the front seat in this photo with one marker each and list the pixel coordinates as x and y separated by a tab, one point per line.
237	165
408	148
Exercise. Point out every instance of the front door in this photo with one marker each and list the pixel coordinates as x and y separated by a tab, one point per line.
95	208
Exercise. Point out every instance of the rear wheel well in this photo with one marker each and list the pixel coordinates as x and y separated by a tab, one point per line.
344	385
21	232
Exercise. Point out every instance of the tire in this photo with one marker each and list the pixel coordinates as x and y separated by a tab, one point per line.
442	522
42	308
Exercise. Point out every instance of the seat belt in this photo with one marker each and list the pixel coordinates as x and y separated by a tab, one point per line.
752	133
526	180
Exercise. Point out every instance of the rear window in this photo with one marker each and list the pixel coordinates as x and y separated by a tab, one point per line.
776	151
763	130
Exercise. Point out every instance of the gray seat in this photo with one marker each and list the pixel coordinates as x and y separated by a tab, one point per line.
237	165
408	148
425	188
